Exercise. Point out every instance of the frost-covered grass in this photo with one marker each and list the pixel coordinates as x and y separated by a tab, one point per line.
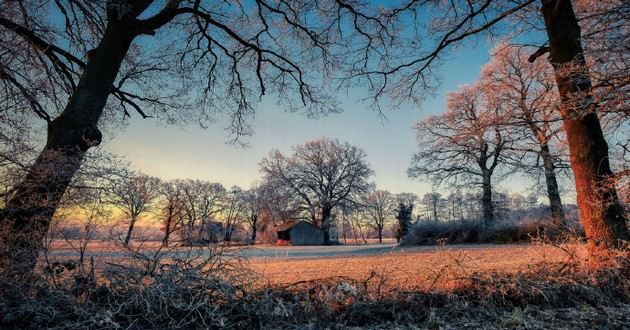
531	286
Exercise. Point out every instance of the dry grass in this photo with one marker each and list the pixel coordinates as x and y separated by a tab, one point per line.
475	287
411	268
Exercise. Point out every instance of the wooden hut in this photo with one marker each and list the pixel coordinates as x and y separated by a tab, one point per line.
299	233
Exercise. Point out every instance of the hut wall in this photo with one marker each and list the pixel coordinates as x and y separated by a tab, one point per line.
305	234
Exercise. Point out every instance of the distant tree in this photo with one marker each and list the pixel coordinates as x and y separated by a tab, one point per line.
234	211
133	196
203	201
380	207
191	190
526	96
455	206
173	208
210	197
433	205
253	207
466	143
321	175
275	207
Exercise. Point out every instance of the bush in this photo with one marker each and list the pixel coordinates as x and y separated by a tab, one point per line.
468	232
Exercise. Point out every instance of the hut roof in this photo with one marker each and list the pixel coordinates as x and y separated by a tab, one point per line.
286	226
290	223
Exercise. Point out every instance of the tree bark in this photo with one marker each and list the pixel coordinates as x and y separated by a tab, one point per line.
553	192
486	200
380	234
27	214
326	211
601	213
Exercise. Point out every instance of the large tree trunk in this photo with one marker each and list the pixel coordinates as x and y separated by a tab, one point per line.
26	217
555	202
380	234
601	213
486	200
326	211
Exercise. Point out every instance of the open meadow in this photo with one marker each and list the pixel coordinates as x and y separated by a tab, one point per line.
480	286
416	267
405	267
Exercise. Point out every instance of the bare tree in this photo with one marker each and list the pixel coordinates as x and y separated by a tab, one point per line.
466	143
203	202
380	207
321	174
433	204
452	23
64	70
133	196
63	59
173	208
234	211
210	197
526	95
254	204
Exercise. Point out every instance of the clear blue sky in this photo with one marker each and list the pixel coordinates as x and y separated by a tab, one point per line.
193	152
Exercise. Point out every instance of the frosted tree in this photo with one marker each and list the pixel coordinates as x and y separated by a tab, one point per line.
464	145
526	95
321	175
134	196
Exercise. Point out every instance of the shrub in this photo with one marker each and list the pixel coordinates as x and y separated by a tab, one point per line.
467	231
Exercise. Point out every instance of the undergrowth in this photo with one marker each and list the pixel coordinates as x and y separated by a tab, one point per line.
214	291
472	232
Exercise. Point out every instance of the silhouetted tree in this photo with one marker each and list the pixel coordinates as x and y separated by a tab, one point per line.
173	208
321	175
234	208
380	207
133	196
253	203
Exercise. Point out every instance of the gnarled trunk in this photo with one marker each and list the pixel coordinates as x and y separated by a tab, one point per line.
26	217
555	202
602	214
